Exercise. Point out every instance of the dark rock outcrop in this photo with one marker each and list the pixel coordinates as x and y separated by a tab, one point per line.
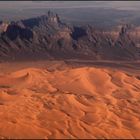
13	31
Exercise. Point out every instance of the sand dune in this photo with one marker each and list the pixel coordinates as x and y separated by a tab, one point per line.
82	102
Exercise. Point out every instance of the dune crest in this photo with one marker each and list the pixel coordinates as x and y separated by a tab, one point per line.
83	102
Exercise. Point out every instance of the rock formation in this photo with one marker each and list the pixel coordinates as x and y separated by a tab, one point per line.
48	37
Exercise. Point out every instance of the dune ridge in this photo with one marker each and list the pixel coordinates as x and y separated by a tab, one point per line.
85	102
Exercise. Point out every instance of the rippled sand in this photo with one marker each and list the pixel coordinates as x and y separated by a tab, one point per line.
84	102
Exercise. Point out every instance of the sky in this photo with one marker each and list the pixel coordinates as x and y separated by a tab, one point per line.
123	5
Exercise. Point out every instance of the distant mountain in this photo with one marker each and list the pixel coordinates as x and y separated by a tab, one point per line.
47	37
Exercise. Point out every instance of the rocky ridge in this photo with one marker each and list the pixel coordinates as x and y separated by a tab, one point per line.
47	37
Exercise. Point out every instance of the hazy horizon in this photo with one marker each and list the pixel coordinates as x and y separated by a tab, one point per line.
83	12
124	5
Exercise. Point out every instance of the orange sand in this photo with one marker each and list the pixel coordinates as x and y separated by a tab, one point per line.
85	102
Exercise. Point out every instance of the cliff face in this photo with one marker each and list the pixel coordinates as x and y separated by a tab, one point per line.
3	27
48	37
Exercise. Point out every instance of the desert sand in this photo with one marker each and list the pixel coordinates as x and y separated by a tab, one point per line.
57	100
